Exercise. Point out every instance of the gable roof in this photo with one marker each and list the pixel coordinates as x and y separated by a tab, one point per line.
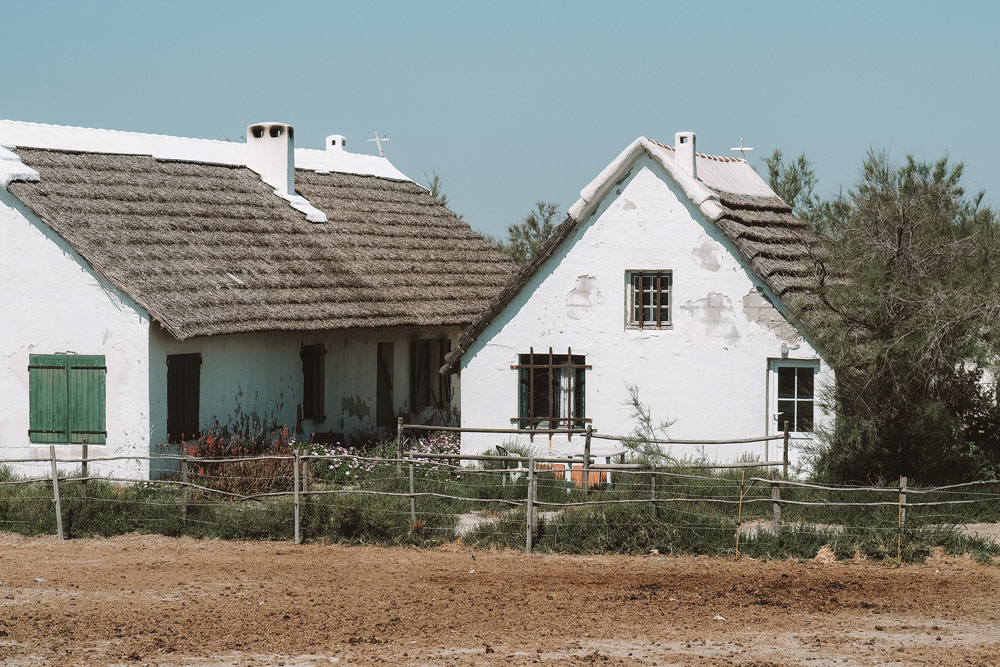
210	249
728	192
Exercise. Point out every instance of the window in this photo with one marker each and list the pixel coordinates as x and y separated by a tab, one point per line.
649	299
313	382
795	400
66	398
183	396
428	388
551	390
385	411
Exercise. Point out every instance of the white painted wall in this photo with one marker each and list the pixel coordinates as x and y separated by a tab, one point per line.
709	372
257	377
53	302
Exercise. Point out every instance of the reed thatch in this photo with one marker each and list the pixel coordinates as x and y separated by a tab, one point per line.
210	249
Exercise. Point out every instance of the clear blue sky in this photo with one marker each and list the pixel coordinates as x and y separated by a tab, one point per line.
513	102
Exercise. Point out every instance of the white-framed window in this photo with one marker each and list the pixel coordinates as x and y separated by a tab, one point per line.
793	394
648	299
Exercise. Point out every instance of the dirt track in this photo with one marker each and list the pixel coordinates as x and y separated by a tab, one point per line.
151	600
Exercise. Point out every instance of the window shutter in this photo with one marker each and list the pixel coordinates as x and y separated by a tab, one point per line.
47	392
87	399
523	390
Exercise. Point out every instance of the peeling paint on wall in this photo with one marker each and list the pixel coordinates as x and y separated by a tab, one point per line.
355	407
713	319
759	309
705	254
583	297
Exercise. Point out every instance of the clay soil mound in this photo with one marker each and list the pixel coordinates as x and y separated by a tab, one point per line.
150	600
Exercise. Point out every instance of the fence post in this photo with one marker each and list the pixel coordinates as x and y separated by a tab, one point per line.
298	536
184	488
413	499
84	468
739	514
775	500
399	445
652	485
585	477
305	476
529	507
902	518
784	454
55	492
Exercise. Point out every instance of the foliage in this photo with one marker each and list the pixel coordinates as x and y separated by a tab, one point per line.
526	237
436	186
240	476
908	315
641	440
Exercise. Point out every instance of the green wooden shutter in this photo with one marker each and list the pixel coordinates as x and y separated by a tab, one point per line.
86	399
47	398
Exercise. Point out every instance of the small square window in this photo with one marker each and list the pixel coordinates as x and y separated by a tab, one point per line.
795	396
649	299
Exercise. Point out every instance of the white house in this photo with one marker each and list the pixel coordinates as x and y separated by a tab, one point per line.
672	274
156	286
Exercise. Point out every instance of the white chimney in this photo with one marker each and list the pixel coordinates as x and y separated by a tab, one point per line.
271	153
336	143
684	147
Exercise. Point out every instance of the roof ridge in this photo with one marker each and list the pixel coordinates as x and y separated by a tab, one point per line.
113	131
717	158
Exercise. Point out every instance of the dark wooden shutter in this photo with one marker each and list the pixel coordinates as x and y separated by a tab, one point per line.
48	391
385	411
444	379
87	407
420	374
313	382
183	395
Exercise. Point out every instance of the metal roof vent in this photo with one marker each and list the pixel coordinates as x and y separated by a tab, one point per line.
271	153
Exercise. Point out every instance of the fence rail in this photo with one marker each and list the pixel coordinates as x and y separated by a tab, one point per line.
620	484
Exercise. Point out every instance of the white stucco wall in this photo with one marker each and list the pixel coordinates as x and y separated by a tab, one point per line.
709	372
54	303
257	377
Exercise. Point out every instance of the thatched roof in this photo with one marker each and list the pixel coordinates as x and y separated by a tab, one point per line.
777	246
209	249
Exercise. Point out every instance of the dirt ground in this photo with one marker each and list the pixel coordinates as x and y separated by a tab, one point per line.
145	600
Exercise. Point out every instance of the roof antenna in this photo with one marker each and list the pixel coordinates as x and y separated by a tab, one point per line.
378	142
741	148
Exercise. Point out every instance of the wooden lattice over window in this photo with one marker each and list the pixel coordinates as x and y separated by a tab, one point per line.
551	390
649	299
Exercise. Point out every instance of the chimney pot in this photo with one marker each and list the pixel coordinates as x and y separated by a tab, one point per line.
336	143
271	153
684	147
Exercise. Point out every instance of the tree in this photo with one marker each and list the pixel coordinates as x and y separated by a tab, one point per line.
795	182
436	186
908	314
526	237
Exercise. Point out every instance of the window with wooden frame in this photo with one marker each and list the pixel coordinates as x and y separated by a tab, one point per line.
313	382
66	398
183	396
649	299
794	394
552	390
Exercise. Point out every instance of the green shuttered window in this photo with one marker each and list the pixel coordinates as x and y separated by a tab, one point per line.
67	398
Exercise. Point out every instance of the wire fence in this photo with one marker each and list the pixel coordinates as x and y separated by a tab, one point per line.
554	503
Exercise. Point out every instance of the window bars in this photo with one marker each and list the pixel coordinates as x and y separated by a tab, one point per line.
551	391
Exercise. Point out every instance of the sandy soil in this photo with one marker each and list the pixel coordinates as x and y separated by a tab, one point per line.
143	600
